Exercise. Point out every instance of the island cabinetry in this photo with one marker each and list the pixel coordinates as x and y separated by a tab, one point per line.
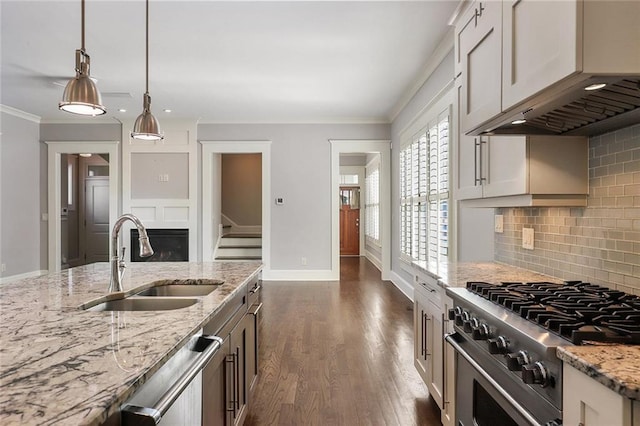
531	170
587	402
229	377
428	335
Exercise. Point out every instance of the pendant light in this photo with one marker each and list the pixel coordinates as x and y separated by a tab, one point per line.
81	96
146	126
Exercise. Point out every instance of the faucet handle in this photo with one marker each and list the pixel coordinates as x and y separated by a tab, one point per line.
124	249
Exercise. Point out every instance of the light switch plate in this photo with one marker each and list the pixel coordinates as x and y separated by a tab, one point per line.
499	223
527	238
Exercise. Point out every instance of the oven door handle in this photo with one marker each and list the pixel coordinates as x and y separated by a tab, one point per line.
451	340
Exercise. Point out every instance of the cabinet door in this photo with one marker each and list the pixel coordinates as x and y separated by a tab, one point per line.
436	349
252	347
215	389
467	158
480	42
587	402
420	319
240	341
541	44
447	415
505	166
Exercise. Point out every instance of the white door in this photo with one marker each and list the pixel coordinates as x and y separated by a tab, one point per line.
96	235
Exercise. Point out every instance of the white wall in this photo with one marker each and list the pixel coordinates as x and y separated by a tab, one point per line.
20	175
301	174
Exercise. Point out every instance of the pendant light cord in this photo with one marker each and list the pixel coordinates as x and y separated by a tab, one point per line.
147	46
82	24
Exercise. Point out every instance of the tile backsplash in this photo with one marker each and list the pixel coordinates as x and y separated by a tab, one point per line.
598	243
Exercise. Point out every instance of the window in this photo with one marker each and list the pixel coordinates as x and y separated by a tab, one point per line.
424	192
372	202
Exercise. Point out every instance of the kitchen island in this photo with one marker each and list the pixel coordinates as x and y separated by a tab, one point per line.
60	364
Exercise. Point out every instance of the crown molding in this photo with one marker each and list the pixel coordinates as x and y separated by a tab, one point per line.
19	113
441	51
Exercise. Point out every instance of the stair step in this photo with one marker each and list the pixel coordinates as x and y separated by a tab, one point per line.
240	242
239	247
235	251
238	257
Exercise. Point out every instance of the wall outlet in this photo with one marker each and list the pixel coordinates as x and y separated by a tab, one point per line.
303	261
499	223
163	178
527	238
3	267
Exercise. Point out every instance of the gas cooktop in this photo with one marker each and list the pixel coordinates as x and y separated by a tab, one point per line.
576	311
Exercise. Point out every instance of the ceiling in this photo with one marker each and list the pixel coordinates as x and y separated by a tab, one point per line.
224	62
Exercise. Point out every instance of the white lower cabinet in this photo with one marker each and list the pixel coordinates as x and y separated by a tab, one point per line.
586	402
448	413
432	358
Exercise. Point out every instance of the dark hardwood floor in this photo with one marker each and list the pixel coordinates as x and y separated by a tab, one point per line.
339	353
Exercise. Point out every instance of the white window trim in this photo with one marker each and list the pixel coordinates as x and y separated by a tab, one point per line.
430	113
372	167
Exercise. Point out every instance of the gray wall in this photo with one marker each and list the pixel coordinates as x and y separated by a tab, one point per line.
301	174
599	243
20	176
242	188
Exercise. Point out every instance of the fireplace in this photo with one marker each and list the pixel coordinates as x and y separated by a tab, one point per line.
169	245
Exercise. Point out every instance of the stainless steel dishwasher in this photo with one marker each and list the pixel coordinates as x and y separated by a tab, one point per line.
173	395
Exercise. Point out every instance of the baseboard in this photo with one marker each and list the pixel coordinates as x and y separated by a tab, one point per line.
402	285
32	274
371	258
298	275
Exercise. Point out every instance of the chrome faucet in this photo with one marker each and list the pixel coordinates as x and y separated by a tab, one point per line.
117	263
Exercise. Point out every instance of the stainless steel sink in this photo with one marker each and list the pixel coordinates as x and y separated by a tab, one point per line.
143	304
179	290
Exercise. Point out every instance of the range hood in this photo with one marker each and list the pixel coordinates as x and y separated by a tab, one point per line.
568	109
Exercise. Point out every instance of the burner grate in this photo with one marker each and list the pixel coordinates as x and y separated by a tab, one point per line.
575	310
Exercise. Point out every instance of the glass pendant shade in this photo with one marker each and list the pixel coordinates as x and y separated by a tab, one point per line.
146	126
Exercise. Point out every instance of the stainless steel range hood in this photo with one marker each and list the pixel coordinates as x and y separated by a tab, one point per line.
568	109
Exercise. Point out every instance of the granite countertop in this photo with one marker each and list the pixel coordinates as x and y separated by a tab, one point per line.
615	366
456	274
62	365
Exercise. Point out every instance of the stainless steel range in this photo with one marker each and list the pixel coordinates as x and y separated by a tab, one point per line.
506	339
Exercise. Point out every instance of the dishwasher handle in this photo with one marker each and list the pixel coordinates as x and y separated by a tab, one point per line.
150	416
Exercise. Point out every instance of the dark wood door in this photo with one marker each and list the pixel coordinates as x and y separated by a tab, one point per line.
349	221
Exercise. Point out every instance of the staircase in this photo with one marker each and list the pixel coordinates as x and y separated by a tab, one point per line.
239	247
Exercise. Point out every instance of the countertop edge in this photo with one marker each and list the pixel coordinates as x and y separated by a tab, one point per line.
599	372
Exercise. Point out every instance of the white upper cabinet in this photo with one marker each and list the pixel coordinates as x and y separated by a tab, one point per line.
480	41
512	171
541	44
533	57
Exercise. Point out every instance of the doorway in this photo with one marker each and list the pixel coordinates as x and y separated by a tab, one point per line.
362	147
94	200
212	152
84	230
